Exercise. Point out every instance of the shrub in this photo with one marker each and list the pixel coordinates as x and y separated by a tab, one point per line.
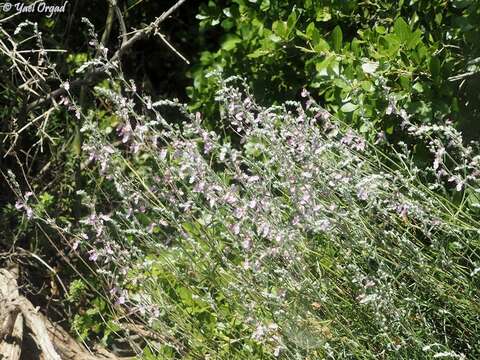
296	237
356	58
289	235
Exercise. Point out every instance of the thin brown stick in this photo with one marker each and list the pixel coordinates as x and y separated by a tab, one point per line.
162	37
121	23
14	304
38	328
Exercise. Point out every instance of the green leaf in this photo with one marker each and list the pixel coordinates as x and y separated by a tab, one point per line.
455	107
318	43
265	5
311	31
323	66
348	107
340	84
434	66
46	199
402	30
418	87
414	39
230	42
367	86
258	53
321	46
337	38
356	47
291	22
227	24
323	14
390	44
380	29
280	28
77	143
365	127
275	38
405	82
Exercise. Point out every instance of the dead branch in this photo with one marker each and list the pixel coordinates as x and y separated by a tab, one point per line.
99	74
54	342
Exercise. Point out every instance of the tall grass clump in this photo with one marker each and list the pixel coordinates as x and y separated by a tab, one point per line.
286	236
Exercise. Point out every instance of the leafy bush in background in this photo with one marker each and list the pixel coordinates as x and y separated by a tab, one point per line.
356	57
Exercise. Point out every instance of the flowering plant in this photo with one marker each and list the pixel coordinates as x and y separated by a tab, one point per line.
293	237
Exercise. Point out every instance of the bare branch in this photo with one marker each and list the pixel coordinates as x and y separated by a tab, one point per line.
462	76
54	342
121	23
94	76
108	24
146	30
162	37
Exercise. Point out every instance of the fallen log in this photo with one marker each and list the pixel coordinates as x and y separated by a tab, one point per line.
18	317
12	326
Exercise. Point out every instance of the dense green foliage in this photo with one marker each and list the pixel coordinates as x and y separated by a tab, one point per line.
356	57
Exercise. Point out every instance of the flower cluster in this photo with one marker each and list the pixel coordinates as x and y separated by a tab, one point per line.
294	221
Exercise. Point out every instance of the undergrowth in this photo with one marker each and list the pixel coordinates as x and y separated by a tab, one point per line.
288	235
291	237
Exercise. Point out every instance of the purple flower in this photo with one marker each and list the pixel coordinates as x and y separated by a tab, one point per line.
239	212
362	193
19	205
229	198
125	132
120	300
93	255
247	243
235	228
151	227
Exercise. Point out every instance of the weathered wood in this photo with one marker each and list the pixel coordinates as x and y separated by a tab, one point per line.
53	341
69	349
10	348
11	331
34	321
13	305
